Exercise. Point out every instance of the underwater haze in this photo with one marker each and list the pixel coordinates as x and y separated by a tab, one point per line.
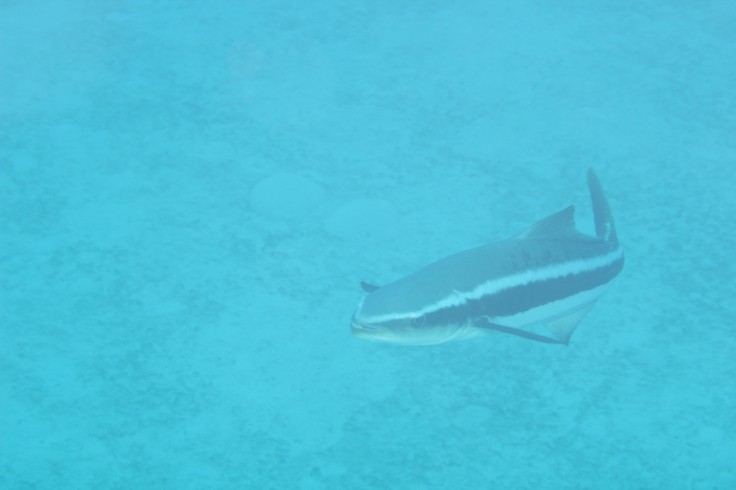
192	192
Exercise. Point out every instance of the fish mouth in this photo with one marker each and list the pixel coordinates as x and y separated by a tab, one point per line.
361	329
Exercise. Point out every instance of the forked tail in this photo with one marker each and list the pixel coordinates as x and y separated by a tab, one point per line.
604	227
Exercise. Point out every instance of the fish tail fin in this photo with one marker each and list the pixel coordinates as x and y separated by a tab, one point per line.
604	227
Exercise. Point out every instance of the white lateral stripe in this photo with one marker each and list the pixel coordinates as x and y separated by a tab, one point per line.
494	286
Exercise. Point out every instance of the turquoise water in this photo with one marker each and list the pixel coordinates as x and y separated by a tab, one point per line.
190	195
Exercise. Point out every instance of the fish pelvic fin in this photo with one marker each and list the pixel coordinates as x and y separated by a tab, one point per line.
563	328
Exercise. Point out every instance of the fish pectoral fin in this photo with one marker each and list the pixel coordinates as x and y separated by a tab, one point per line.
367	287
488	325
563	327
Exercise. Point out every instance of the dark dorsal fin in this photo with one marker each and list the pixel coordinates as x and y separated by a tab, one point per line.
560	223
368	288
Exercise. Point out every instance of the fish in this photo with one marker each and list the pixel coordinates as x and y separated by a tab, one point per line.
550	275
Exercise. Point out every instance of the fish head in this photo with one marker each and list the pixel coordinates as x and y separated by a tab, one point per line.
404	328
395	331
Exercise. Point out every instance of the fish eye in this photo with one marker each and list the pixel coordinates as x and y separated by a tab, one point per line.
418	321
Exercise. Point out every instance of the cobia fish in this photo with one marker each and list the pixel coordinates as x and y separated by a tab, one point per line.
550	274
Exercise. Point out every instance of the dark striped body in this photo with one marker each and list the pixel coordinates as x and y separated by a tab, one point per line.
549	274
